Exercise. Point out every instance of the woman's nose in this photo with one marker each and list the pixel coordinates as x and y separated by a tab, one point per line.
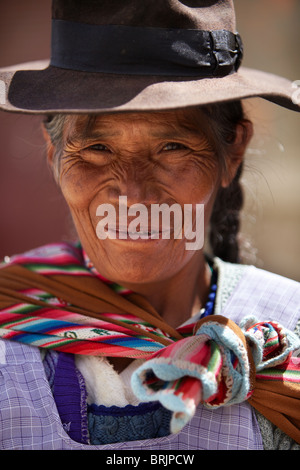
136	182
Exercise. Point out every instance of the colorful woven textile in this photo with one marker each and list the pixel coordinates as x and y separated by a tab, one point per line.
219	358
52	298
54	314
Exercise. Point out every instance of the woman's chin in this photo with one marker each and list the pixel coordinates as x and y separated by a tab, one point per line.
133	263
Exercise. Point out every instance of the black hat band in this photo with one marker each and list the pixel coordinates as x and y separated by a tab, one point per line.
144	51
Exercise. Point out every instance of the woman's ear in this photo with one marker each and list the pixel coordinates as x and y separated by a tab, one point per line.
50	147
237	149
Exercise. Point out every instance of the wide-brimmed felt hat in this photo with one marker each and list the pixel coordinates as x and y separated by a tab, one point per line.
139	55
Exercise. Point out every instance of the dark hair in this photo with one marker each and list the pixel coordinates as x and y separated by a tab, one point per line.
225	221
225	218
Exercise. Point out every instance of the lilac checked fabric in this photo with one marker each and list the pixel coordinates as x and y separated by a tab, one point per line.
265	295
29	419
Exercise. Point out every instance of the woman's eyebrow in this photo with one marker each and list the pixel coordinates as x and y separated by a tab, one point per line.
173	135
100	134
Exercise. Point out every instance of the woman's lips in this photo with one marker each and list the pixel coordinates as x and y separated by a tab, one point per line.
138	235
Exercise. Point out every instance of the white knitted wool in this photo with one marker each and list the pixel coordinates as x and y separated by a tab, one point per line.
103	385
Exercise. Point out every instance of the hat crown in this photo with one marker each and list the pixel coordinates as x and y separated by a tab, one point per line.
140	55
183	14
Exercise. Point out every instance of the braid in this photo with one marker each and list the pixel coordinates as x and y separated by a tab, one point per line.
225	221
225	218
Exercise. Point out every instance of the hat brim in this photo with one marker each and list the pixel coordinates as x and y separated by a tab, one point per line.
37	88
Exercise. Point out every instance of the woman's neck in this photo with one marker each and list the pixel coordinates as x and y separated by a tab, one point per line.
178	298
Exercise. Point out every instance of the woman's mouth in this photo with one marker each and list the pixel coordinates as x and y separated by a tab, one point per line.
142	234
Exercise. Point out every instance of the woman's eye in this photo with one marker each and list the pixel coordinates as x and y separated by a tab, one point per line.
98	148
173	146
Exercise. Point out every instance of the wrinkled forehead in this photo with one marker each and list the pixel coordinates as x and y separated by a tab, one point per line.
188	121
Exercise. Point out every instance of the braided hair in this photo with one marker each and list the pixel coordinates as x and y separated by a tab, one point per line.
225	221
225	218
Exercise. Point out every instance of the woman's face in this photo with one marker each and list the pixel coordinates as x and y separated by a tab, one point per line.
151	158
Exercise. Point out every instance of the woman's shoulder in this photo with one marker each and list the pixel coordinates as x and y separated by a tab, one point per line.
233	272
247	290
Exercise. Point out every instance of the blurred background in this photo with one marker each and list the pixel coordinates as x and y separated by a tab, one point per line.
32	210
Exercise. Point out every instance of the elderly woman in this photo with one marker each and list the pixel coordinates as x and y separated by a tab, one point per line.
134	338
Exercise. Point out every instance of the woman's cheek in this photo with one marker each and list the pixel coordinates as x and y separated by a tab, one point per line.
199	186
78	186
